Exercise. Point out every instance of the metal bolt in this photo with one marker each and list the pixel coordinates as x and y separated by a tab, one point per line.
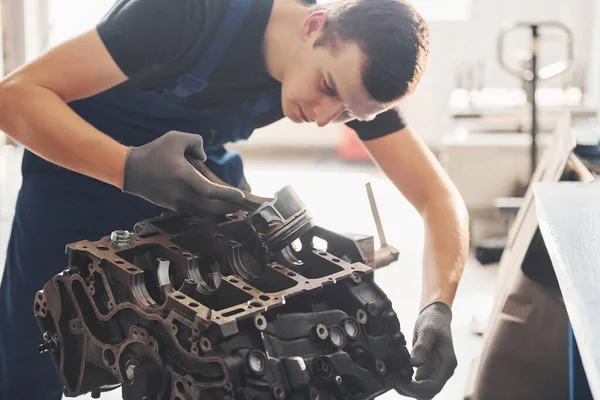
338	380
372	309
50	343
42	348
121	238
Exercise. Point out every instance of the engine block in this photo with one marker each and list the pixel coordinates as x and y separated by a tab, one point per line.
187	308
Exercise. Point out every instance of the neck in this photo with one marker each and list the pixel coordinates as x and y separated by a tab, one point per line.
283	35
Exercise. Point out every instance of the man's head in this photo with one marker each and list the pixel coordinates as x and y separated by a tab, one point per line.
356	59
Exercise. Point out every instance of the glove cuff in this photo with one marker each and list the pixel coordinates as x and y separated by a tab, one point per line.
127	178
438	306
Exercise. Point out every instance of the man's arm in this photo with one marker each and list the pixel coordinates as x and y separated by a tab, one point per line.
34	112
414	170
416	173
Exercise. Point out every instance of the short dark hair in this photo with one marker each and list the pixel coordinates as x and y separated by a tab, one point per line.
393	37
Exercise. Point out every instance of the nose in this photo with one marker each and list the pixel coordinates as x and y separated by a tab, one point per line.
327	110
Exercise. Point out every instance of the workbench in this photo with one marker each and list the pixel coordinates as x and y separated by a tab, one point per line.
569	220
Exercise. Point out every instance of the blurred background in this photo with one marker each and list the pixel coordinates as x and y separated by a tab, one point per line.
473	108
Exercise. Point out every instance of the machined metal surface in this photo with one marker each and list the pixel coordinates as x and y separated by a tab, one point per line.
190	309
277	221
280	221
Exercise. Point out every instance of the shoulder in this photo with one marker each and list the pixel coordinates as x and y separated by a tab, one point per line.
151	34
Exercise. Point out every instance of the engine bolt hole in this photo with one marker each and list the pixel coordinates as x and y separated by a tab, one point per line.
205	344
361	315
380	367
322	331
278	392
351	328
109	357
257	361
260	322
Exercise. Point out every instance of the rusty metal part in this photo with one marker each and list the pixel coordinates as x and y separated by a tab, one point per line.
188	309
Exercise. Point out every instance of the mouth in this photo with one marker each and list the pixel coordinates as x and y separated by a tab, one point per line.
303	116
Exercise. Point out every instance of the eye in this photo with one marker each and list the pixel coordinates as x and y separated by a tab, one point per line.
328	89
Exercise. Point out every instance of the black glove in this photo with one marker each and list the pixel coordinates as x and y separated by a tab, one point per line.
432	353
160	173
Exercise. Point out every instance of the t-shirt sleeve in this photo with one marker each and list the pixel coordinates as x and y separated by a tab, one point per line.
385	123
142	35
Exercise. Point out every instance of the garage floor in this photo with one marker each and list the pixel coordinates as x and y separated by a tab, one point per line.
334	192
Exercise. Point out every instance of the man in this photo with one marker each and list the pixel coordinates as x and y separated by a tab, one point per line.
94	115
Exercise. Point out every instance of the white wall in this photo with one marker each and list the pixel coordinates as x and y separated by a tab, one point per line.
594	76
13	35
70	17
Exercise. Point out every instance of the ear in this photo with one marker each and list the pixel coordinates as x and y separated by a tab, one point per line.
315	22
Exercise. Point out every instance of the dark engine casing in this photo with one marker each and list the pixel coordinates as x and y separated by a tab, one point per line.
187	308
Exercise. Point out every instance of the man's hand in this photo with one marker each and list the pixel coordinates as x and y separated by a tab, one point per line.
432	352
160	173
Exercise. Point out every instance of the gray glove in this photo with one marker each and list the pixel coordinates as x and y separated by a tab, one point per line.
160	173
432	352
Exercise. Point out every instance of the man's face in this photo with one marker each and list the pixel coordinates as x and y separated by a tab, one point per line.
324	85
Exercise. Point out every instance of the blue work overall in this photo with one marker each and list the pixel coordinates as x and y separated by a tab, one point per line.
56	206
